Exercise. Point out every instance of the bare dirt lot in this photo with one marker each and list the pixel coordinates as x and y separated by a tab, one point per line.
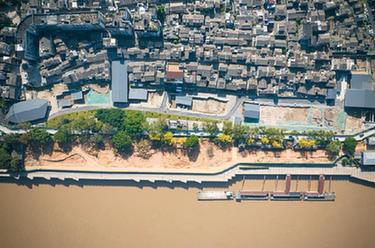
210	106
332	118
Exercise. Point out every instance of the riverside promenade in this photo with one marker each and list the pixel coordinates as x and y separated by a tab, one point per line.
223	176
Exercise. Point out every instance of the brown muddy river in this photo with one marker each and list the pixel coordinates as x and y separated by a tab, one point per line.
123	216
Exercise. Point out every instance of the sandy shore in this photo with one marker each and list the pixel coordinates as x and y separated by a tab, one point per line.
209	158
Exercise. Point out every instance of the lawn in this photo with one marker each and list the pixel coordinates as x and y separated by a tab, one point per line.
57	121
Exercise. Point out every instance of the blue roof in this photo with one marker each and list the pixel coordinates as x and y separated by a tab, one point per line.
119	82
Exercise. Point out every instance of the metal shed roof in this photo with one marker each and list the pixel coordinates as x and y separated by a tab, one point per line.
138	94
356	98
361	81
63	103
76	96
368	158
251	110
184	100
119	82
30	110
331	94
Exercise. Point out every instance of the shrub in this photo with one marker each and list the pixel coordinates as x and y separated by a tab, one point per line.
122	142
143	149
306	143
5	158
264	140
276	144
62	136
113	117
334	147
134	123
349	145
191	142
224	139
168	138
40	136
211	128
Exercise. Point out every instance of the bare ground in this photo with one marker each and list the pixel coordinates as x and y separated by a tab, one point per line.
209	157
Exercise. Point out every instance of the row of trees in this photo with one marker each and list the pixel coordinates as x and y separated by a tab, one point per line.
124	129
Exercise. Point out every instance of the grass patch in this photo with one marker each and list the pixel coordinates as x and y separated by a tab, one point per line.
57	121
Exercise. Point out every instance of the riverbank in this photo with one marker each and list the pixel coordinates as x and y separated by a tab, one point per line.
208	158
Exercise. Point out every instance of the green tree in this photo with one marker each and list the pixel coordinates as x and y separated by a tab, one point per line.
134	123
224	139
122	142
239	132
160	13
63	136
157	129
191	142
5	158
40	136
228	128
11	140
334	147
113	117
98	140
349	145
211	128
15	165
85	125
306	143
168	138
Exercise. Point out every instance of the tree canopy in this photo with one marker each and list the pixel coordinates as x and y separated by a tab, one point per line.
134	123
191	142
122	142
113	117
349	145
334	147
62	136
40	136
5	158
160	13
211	128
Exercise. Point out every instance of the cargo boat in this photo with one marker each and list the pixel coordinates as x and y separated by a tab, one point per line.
331	196
251	195
214	195
282	196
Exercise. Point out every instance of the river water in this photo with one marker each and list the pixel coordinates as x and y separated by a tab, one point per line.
124	216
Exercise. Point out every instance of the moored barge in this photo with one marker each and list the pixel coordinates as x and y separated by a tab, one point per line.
251	195
214	195
282	196
330	196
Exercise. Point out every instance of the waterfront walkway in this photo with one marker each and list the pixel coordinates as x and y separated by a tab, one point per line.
199	177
